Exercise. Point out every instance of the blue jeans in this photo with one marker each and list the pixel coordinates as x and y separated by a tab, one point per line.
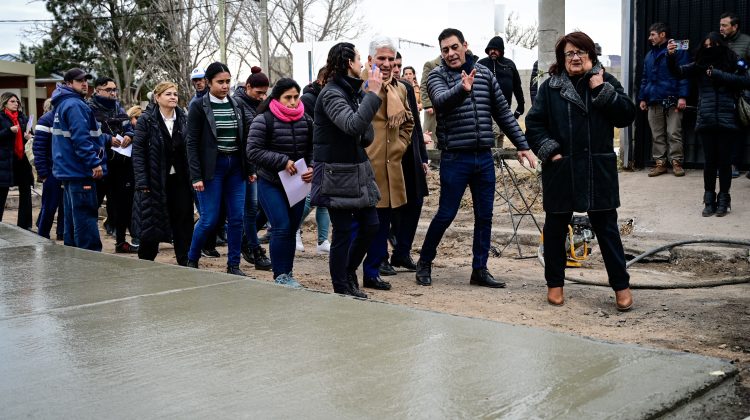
322	219
378	249
82	215
52	202
284	221
228	185
250	238
457	171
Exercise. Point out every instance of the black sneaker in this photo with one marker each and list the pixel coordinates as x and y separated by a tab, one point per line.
247	255
192	264
126	248
261	261
236	271
210	253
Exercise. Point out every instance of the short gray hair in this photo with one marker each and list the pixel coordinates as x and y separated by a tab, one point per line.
381	42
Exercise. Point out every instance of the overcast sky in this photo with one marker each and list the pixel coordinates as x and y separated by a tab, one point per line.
601	19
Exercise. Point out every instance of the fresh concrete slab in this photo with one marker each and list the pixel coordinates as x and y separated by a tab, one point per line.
86	335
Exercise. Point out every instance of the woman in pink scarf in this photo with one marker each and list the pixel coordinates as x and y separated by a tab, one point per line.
15	168
280	135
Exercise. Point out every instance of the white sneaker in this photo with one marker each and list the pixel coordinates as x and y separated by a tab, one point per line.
324	248
300	246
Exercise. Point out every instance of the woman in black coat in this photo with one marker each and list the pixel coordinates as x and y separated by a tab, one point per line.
281	135
721	77
15	168
571	128
163	205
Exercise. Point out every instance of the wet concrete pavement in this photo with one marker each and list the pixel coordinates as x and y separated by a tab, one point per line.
89	335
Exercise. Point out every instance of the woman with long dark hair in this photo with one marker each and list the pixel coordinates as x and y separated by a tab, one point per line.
721	77
343	180
215	149
163	205
15	168
570	128
280	135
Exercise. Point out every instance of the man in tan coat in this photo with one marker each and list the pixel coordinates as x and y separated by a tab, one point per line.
393	125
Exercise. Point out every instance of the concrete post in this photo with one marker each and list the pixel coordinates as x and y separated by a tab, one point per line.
551	27
31	83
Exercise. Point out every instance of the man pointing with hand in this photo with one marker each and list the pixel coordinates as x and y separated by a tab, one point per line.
466	98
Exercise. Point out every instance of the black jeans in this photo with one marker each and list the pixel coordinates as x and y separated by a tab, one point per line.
347	254
121	192
607	233
717	150
22	177
180	210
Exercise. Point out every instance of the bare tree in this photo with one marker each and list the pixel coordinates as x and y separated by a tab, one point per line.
524	36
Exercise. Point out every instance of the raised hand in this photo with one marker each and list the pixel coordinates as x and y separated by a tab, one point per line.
467	80
596	79
375	80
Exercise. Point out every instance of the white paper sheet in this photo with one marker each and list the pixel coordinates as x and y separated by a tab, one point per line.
125	151
30	124
296	189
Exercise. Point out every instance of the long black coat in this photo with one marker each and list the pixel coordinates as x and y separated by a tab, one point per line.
7	157
415	179
578	124
151	147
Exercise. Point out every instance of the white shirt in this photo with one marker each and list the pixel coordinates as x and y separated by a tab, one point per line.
169	121
216	100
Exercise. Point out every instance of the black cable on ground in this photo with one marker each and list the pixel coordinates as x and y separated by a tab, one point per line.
672	285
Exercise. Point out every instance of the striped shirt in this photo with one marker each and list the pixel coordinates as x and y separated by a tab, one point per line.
227	130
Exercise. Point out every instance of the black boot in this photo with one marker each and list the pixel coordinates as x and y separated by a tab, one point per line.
386	269
247	254
482	277
260	260
354	287
192	264
709	199
724	205
424	273
235	269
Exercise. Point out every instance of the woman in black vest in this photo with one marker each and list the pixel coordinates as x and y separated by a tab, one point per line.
163	205
343	180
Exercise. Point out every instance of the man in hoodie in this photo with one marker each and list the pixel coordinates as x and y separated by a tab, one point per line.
79	159
660	87
115	123
507	76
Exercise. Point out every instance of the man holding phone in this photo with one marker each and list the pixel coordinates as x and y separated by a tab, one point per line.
663	97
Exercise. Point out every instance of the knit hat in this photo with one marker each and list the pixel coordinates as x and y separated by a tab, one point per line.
496	43
257	78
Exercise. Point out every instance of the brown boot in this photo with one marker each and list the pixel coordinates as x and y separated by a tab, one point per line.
623	300
555	296
677	168
660	168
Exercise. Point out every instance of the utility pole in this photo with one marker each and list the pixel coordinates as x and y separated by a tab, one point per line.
551	27
222	31
264	36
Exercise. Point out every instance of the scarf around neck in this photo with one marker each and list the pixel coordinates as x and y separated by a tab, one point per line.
286	114
18	145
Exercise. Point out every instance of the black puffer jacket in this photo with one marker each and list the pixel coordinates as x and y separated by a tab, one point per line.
717	95
290	141
7	144
571	119
249	108
154	154
343	122
310	96
464	119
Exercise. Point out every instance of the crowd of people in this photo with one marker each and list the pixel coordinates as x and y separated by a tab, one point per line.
357	128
